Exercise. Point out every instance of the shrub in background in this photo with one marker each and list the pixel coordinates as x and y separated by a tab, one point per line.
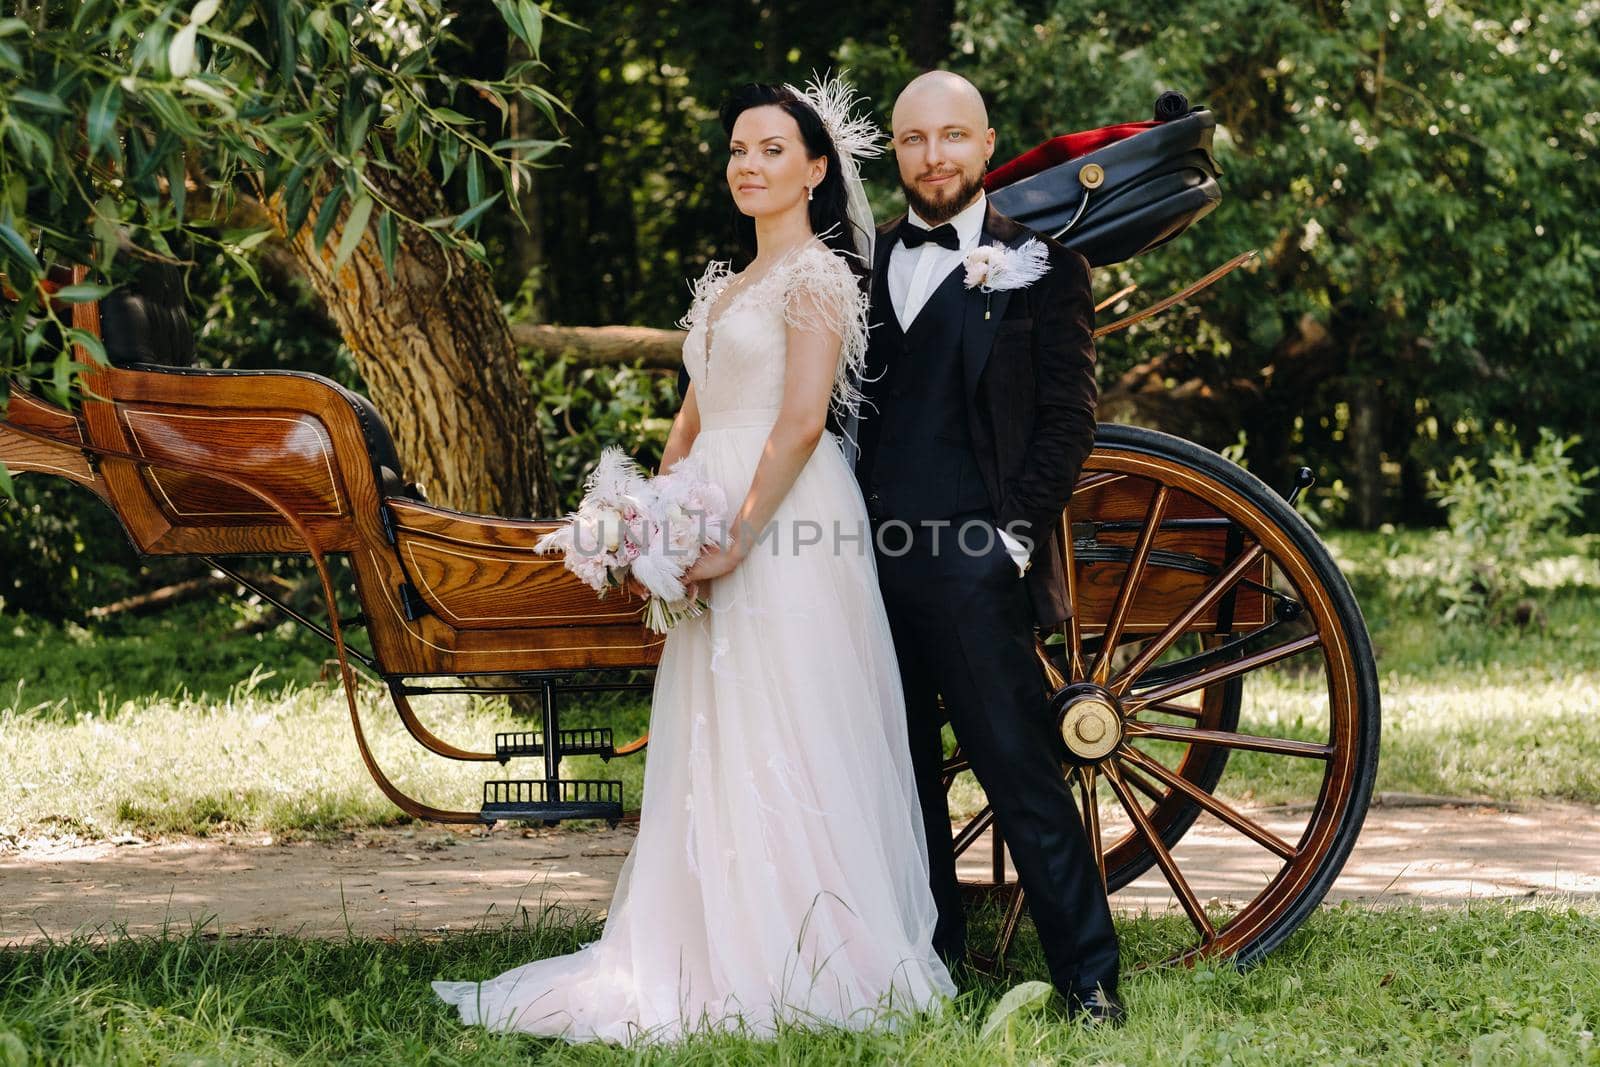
1501	524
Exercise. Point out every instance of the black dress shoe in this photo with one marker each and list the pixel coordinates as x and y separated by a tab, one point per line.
1097	1006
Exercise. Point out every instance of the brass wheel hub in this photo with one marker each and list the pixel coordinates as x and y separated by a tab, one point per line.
1090	722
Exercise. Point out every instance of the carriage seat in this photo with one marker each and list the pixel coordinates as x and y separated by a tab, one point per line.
145	326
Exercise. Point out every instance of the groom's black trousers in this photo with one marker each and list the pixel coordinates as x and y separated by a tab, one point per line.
963	629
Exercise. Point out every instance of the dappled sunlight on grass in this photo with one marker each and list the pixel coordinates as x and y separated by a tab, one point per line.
284	762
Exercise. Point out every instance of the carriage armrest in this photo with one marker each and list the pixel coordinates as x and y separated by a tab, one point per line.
430	520
480	572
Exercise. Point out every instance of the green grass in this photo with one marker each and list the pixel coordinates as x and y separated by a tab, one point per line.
60	671
161	726
1494	984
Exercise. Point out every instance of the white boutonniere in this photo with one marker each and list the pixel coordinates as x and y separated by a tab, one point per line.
992	268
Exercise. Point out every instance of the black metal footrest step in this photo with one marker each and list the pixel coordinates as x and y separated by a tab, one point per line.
585	742
577	798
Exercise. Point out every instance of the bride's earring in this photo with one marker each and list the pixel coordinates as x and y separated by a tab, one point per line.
808	192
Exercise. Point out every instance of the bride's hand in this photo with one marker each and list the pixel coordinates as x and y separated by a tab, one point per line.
714	562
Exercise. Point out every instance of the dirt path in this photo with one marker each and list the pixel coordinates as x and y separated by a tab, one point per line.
430	880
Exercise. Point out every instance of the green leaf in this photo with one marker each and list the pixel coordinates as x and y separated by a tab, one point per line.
296	205
354	228
533	22
474	179
202	88
449	155
177	183
81	294
59	387
31	141
234	42
18	250
250	240
287	56
106	224
87	340
532	147
388	241
1023	999
171	113
11	27
41	101
102	122
7	489
414	62
513	19
405	129
475	212
355	131
452	116
327	215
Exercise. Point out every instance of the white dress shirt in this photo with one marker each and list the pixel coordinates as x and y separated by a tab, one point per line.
914	275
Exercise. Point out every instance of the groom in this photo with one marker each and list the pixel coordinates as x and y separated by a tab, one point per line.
981	415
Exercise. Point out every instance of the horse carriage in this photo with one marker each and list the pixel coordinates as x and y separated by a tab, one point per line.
1215	655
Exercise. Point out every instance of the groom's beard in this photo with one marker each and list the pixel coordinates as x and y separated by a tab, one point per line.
937	212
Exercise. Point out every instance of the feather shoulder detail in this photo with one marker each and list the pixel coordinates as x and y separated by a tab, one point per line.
821	293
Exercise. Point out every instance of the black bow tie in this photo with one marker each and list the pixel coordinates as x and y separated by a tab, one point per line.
914	236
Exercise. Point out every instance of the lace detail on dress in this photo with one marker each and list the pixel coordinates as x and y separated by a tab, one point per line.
822	294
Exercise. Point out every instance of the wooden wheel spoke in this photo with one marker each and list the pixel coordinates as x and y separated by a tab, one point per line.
1223	811
1072	628
1143	784
1279	746
1169	867
1214	592
973	830
1096	480
1131	578
1052	674
1183	710
1206	678
1091	819
953	768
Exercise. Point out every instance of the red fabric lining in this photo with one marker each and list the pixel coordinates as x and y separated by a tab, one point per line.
1059	150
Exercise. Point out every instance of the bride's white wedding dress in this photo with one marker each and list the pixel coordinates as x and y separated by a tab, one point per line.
780	873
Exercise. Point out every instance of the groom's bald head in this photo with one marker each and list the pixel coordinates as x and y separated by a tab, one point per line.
942	143
942	93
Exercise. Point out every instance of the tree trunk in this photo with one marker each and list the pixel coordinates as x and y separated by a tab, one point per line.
1366	452
929	46
527	240
437	355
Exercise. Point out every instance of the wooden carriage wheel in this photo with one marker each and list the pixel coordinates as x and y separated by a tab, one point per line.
1217	658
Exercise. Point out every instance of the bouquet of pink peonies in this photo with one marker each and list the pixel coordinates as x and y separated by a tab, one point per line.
651	528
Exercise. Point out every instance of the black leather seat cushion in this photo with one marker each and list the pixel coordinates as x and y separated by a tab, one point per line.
146	321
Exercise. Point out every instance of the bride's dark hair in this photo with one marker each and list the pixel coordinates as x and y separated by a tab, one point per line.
829	205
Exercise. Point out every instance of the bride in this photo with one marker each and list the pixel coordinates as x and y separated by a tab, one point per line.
780	875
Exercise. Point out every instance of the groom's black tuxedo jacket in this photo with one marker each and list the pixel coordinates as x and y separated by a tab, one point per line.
1027	378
